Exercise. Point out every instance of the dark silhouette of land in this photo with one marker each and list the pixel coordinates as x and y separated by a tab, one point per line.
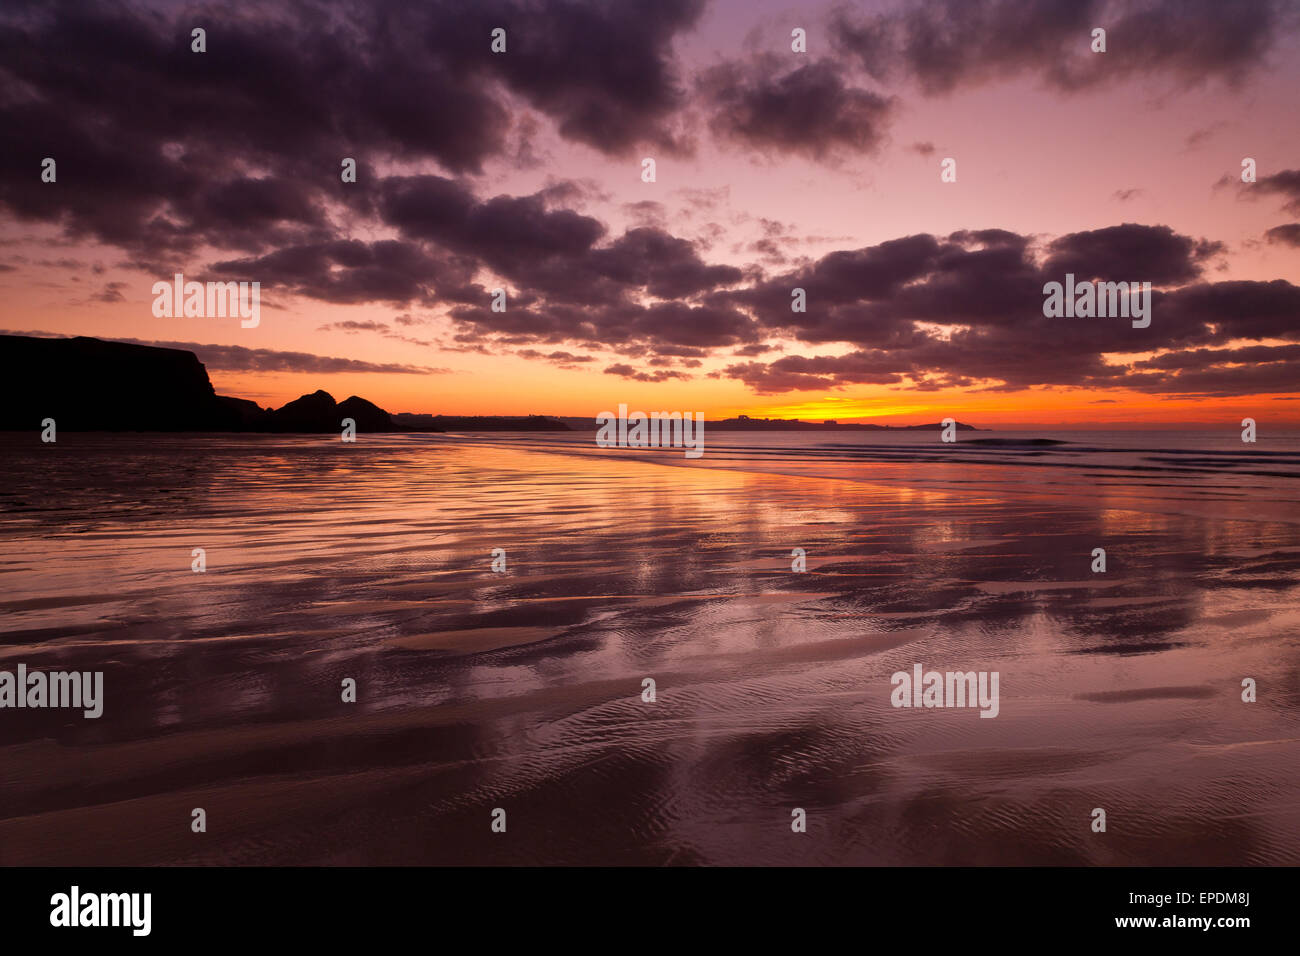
744	423
478	423
87	384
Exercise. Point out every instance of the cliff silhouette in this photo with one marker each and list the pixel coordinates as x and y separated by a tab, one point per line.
88	384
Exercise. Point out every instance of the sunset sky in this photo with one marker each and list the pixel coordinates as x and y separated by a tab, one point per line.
774	170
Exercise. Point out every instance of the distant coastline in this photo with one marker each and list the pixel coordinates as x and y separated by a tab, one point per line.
90	384
744	423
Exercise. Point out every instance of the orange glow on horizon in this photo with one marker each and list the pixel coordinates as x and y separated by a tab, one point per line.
536	391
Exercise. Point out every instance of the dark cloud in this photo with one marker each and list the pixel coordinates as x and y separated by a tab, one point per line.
348	271
236	358
982	293
1221	379
946	44
627	371
701	326
1288	234
566	288
154	142
844	277
1198	137
500	232
1188	373
663	265
1285	184
872	295
1221	311
603	72
233	155
647	212
560	358
112	292
770	251
1154	254
352	325
1197	359
661	327
808	110
796	372
680	351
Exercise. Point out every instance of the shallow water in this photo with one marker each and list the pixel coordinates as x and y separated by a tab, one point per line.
522	690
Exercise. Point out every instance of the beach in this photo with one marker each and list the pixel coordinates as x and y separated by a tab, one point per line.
522	688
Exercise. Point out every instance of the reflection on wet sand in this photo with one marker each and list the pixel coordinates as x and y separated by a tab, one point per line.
522	689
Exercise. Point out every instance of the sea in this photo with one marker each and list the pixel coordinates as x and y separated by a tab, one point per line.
358	653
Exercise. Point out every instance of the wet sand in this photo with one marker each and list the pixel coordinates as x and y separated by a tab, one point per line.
523	689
